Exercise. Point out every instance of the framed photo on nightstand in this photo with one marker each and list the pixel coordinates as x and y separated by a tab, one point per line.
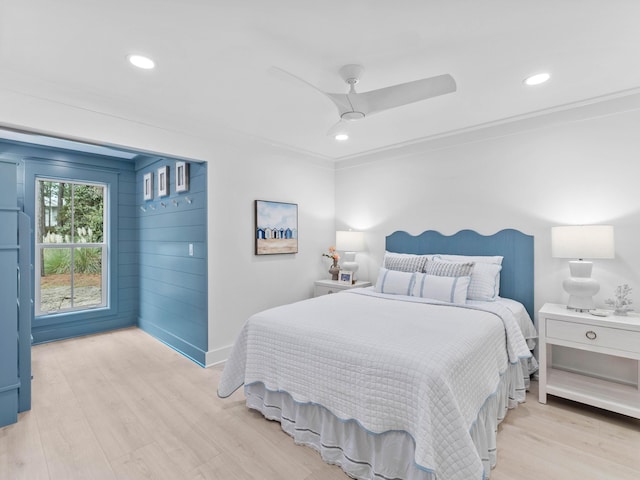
345	276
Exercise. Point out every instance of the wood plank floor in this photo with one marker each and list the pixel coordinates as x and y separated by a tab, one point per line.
122	405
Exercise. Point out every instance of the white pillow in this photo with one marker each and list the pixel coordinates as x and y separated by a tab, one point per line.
404	262
395	282
470	258
485	282
444	289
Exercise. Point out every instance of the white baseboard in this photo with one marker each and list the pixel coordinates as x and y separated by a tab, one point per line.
217	356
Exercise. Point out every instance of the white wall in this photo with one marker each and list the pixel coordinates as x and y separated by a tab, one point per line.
240	170
577	167
241	283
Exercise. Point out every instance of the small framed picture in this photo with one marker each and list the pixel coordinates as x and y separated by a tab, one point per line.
182	177
163	181
147	186
345	276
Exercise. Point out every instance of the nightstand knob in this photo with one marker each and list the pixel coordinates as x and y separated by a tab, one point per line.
591	335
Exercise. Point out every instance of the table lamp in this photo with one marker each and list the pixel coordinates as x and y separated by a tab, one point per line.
580	242
350	242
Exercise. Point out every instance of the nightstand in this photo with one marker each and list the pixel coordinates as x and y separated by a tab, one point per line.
611	335
325	287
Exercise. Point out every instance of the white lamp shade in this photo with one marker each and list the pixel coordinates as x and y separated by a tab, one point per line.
582	241
349	241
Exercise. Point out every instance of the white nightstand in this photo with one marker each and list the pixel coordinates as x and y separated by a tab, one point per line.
325	287
612	335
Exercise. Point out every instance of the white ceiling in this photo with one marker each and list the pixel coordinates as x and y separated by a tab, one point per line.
213	59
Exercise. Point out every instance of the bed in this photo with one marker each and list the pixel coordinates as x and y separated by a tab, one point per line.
396	381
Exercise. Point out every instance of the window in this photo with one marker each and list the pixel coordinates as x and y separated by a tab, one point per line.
71	249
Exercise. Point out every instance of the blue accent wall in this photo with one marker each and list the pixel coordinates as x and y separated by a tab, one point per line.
119	175
173	283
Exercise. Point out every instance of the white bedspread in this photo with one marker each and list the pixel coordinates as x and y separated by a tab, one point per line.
389	362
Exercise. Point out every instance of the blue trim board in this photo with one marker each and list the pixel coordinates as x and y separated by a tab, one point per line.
516	276
25	311
9	406
174	342
9	375
64	330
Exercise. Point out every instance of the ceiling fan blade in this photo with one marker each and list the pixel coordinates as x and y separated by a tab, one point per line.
340	100
283	74
376	101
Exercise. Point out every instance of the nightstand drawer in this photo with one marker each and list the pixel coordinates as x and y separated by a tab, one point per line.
326	287
323	290
605	337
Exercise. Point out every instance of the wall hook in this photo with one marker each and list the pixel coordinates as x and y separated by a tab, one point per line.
175	202
163	205
188	200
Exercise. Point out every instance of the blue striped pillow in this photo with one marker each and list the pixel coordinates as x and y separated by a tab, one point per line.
444	289
395	282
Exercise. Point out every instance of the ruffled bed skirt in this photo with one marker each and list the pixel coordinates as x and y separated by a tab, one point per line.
389	455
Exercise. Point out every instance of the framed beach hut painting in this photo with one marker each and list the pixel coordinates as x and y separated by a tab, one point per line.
276	227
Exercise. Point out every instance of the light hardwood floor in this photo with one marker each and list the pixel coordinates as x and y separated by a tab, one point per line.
122	405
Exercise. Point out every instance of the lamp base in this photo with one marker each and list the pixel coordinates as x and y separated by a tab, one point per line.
349	264
580	286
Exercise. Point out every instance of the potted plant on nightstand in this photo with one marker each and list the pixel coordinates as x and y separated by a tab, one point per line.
334	269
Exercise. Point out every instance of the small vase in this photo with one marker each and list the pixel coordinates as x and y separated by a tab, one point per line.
334	269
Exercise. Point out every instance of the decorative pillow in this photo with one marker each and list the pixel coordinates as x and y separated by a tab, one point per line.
448	269
442	288
485	282
404	262
395	282
470	258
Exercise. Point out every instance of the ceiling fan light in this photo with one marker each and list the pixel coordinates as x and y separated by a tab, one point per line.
141	61
341	137
537	79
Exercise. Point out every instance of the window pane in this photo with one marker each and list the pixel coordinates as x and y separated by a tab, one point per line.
88	213
87	277
54	212
55	279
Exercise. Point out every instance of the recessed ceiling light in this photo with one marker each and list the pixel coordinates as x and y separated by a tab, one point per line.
141	61
341	137
537	79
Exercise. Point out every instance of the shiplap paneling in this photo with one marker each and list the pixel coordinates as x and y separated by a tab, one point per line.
173	284
119	174
9	381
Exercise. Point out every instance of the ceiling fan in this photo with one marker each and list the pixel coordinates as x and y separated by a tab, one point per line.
355	106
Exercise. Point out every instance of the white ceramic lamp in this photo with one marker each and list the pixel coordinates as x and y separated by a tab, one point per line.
580	242
350	242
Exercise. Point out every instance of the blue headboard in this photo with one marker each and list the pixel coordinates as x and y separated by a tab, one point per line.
516	277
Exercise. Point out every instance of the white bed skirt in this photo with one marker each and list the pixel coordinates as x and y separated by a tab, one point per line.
367	455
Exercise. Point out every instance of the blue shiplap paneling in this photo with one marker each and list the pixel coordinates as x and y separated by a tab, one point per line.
9	379
119	175
173	285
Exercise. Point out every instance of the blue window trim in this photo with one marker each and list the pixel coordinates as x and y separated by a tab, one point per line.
65	170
